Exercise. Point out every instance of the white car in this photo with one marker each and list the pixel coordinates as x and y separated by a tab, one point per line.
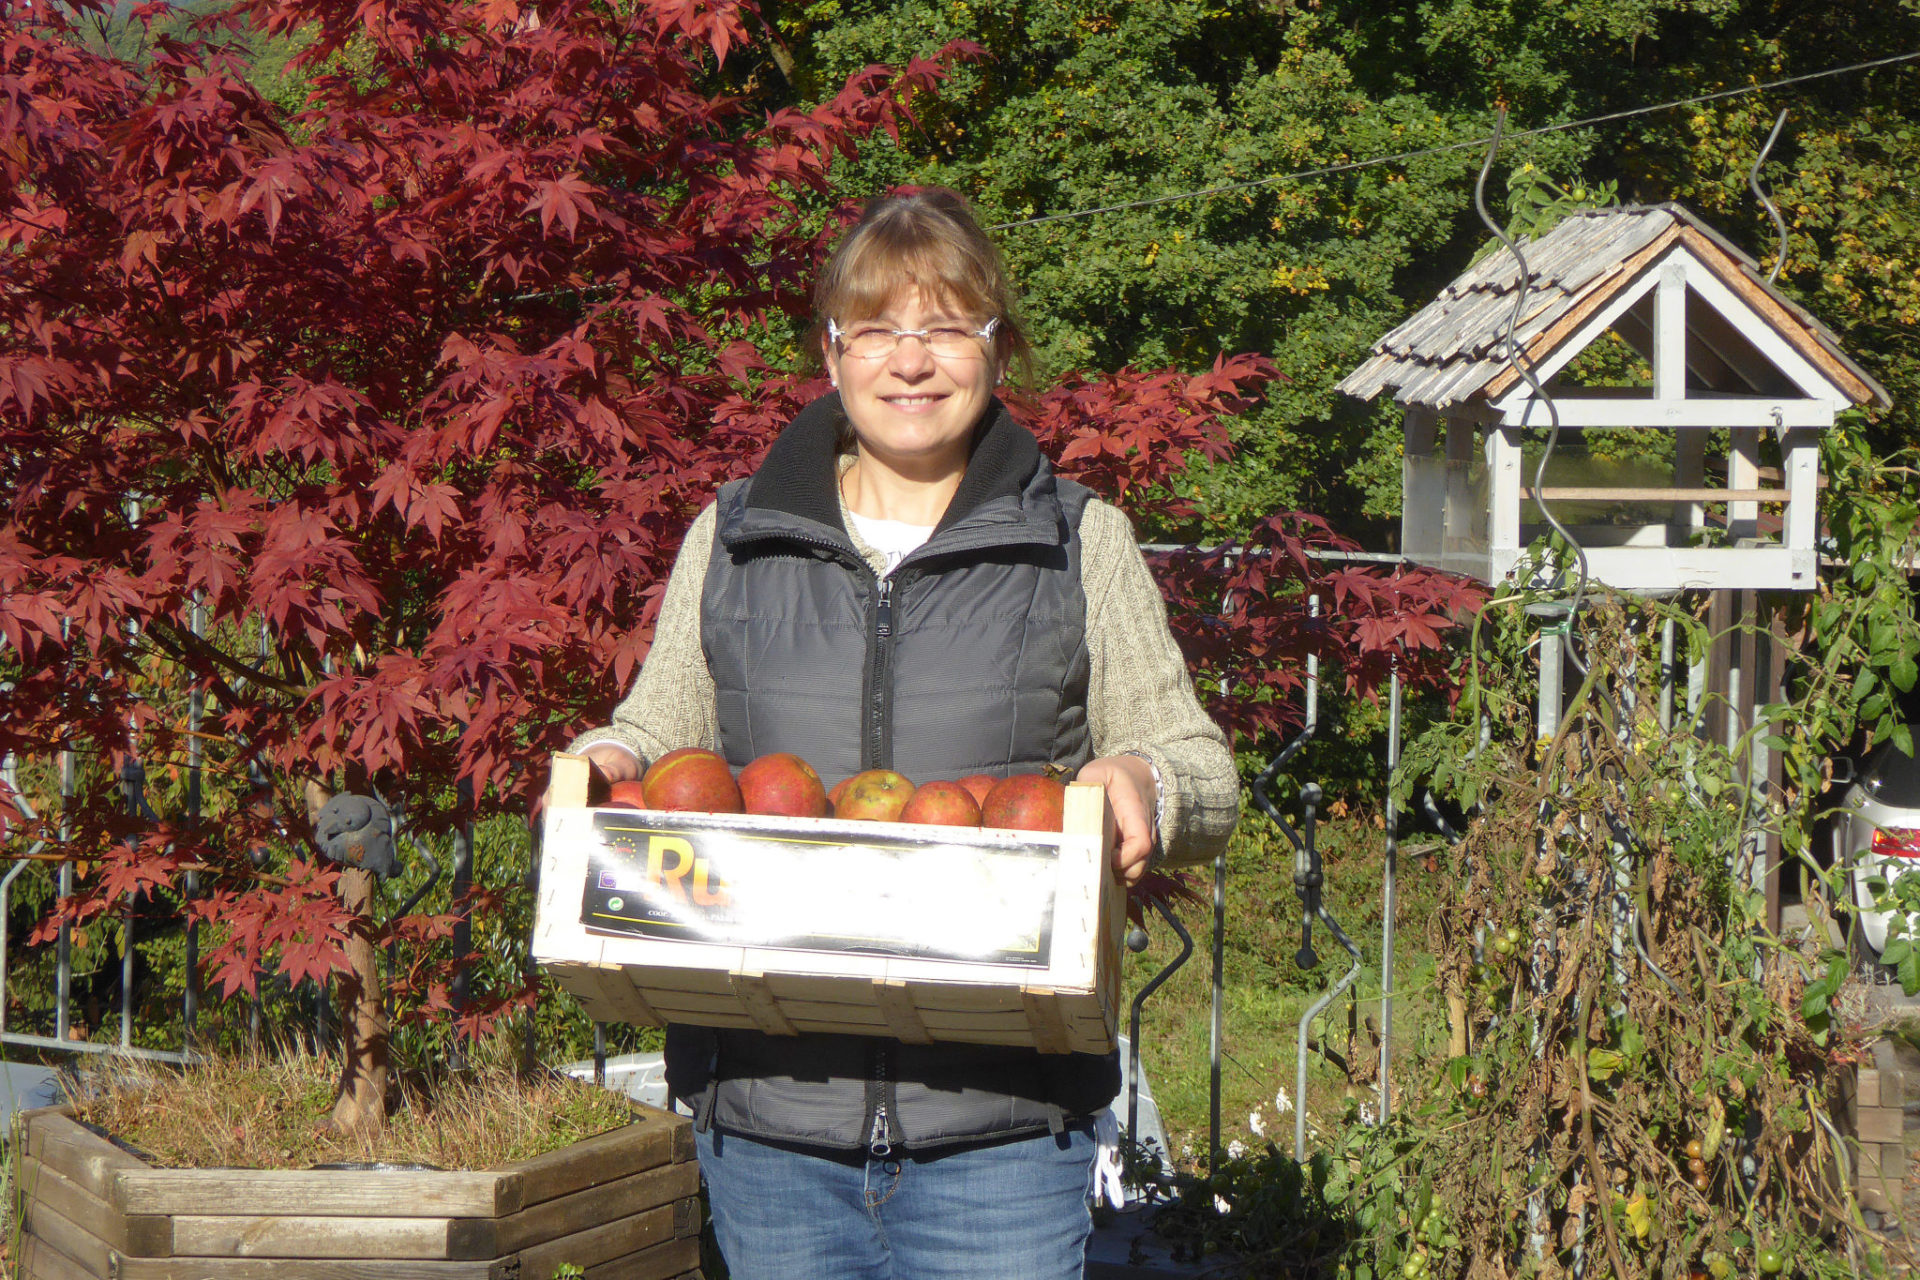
1876	835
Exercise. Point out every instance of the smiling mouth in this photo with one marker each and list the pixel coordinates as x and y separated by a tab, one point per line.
912	402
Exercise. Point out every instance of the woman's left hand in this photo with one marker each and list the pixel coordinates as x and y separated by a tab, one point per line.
1135	800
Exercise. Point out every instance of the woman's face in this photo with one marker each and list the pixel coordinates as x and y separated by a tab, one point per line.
912	410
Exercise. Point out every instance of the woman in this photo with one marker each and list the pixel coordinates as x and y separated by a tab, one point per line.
905	584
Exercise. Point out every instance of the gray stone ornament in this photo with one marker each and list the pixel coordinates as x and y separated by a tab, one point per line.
357	831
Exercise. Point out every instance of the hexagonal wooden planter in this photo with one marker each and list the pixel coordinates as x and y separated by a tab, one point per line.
621	1206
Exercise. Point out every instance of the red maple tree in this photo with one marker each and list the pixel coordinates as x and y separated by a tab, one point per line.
411	394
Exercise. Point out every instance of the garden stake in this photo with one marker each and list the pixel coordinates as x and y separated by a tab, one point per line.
1389	896
63	948
196	717
460	886
1215	1032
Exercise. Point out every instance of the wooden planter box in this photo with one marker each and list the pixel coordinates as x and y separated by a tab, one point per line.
622	1206
794	925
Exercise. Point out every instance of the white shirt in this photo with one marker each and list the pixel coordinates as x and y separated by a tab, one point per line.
894	539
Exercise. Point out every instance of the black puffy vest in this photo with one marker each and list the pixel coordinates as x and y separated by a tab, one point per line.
970	657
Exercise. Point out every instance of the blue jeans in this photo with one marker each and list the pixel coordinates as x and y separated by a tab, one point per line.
1011	1211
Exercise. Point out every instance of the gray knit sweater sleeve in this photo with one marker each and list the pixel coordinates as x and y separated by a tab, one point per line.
671	703
1141	697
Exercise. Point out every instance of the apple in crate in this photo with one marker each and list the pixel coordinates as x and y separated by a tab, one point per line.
1026	802
783	784
942	804
978	784
691	780
878	795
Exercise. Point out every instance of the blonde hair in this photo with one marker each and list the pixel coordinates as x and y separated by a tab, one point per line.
925	239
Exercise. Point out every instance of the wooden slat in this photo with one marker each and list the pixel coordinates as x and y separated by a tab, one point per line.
605	993
1594	296
1017	1039
146	1235
41	1261
602	1206
932	998
645	1144
69	1237
658	982
821	988
943	1022
1789	326
751	986
311	1269
1043	1018
662	1262
867	1015
1584	493
1085	810
902	1019
601	1244
567	783
319	1193
78	1154
238	1236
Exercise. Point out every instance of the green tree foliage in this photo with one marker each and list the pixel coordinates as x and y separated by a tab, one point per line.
1078	104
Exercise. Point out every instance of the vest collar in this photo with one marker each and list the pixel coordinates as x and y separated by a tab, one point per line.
1006	496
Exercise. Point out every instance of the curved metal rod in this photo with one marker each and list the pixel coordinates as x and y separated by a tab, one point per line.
1311	899
1133	1022
1306	1019
1753	185
1524	371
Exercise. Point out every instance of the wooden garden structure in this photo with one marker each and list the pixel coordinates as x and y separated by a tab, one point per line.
1724	359
1726	353
620	1206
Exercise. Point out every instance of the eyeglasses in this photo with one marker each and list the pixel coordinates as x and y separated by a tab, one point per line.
875	341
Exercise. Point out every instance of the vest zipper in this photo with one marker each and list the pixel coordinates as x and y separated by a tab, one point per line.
879	1143
880	678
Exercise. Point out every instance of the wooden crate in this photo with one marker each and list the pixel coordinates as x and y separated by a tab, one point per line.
932	894
622	1206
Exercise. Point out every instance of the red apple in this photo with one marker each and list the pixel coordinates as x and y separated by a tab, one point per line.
1026	802
784	784
978	784
691	779
942	804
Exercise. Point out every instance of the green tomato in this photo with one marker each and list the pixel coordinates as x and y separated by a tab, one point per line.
1503	945
1513	935
1771	1261
1413	1266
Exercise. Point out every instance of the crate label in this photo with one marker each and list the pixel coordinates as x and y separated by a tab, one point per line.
920	896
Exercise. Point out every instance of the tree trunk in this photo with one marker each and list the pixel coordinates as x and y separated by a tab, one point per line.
361	1102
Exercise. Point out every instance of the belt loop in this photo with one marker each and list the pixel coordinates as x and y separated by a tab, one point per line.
1056	1119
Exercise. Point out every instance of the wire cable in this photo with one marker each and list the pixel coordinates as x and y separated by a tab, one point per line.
1403	157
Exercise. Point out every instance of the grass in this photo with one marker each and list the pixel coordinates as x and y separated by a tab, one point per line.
264	1111
1266	993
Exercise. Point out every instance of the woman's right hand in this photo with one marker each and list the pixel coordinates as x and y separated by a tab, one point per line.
612	762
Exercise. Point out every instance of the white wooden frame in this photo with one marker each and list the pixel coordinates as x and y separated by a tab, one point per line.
1441	509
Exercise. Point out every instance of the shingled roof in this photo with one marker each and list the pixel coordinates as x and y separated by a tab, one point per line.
1452	351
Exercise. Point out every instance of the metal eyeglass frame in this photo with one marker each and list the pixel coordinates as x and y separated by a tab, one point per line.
836	335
